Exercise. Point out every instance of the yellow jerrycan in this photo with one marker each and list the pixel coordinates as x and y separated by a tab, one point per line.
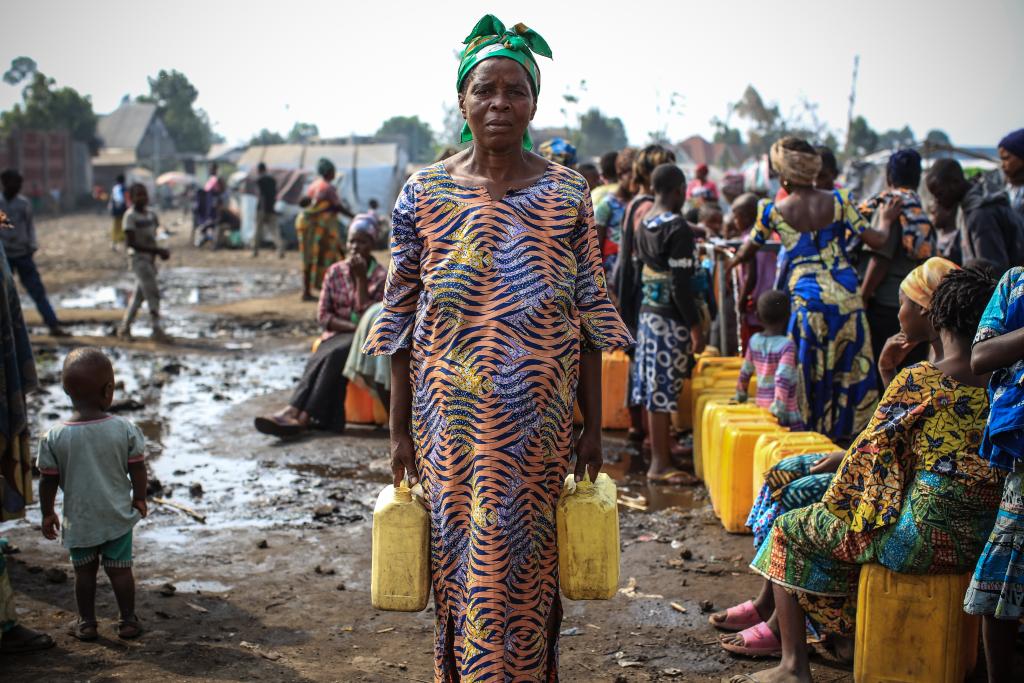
400	558
587	518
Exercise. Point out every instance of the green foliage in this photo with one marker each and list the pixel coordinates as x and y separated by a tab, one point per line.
46	107
938	137
418	136
598	134
723	133
266	137
896	139
302	133
175	96
861	139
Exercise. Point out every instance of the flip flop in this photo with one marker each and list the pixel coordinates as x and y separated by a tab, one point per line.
668	477
83	630
758	641
40	641
737	618
127	629
271	426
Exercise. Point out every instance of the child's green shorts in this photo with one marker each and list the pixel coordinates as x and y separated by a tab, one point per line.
116	553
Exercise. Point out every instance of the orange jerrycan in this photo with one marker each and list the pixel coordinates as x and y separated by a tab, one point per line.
587	521
614	381
912	628
400	557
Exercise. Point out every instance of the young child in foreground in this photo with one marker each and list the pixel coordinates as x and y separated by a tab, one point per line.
97	460
771	355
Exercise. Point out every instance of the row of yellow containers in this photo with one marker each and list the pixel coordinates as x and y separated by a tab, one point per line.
735	444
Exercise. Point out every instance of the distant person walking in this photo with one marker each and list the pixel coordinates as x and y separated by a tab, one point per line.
266	217
140	226
118	206
21	244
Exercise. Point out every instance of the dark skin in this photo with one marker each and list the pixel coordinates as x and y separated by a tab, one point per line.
915	328
140	200
623	193
878	266
1013	166
744	214
498	103
92	391
949	193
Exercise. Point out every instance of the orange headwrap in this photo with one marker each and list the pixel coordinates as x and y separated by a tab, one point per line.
920	284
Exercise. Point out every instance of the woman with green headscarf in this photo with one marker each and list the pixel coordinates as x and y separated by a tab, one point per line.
318	228
495	316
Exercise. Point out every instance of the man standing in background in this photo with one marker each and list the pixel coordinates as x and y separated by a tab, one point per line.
266	218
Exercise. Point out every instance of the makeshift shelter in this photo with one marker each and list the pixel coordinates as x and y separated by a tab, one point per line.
132	135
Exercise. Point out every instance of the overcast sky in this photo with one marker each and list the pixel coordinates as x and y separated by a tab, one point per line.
347	66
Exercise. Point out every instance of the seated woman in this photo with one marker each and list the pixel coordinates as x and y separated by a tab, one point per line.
912	493
802	480
350	287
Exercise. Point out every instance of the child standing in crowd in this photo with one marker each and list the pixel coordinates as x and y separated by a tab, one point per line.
997	589
20	244
610	210
140	226
669	326
771	355
97	460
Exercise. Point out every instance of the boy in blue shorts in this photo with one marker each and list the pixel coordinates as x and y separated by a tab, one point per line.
97	460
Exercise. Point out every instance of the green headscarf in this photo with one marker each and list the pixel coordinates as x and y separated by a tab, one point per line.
489	38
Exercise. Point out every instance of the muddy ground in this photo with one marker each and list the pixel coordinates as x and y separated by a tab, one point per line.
274	585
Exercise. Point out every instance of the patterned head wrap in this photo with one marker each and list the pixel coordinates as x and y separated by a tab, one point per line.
799	167
559	151
920	284
324	166
489	38
364	222
1014	143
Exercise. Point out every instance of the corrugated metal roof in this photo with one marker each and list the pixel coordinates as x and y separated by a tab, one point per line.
114	156
305	157
125	126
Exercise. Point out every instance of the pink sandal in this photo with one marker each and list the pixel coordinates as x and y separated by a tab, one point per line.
758	641
737	618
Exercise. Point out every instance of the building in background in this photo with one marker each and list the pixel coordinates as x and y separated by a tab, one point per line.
57	169
132	135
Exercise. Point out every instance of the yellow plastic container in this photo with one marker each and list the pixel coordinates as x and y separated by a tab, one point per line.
701	405
400	556
735	463
587	521
705	363
772	448
913	629
717	417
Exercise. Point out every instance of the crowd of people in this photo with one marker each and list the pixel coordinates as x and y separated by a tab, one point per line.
889	324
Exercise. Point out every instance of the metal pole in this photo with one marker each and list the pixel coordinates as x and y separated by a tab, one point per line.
723	325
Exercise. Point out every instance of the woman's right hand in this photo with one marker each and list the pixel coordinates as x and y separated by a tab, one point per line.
894	352
828	463
403	460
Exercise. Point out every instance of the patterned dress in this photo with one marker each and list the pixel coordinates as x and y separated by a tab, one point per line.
828	324
773	360
912	494
788	485
319	231
997	587
496	299
608	213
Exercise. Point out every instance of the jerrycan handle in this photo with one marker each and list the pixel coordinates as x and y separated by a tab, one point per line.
582	486
403	494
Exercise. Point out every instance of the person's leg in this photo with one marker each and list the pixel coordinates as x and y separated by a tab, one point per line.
660	425
789	624
123	582
999	636
764	604
85	589
307	279
258	237
25	266
146	274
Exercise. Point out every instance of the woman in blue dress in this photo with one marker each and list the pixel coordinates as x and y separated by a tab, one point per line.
827	323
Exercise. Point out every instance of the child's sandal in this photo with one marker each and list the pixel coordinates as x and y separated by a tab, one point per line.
127	629
83	630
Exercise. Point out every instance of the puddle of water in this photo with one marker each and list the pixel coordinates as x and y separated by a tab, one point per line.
191	585
344	473
632	484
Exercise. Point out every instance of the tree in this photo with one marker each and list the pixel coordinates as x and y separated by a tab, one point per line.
301	133
418	136
861	139
46	107
599	134
266	137
175	96
896	139
723	133
938	137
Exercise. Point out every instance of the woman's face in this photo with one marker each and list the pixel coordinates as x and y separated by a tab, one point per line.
914	321
1013	165
360	243
498	103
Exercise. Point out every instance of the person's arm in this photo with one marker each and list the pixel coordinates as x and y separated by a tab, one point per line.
602	218
786	381
987	241
403	460
875	238
892	355
874	274
750	276
362	287
759	234
589	456
49	482
996	346
129	239
140	481
329	305
743	382
33	241
682	262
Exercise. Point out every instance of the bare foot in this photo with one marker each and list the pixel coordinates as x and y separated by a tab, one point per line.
777	674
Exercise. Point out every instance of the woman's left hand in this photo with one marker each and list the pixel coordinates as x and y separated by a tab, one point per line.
893	209
589	456
357	266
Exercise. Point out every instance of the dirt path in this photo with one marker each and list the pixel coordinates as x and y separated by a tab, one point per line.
275	585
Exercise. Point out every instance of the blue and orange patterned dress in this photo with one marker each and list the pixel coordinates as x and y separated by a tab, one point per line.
496	300
827	323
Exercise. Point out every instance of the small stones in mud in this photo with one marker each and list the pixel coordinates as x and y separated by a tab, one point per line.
263	545
172	368
179	473
56	575
686	554
154	487
217	396
125	405
195	490
325	571
52	416
168	589
706	606
321	511
340	587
